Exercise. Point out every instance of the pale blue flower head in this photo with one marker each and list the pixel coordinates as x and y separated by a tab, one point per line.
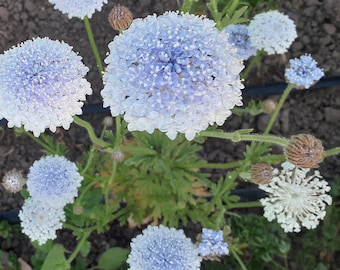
78	8
212	244
39	221
303	72
41	85
238	36
54	181
175	72
272	31
159	247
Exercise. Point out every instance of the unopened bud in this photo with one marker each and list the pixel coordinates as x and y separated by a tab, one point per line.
78	210
304	151
118	156
108	121
13	181
120	17
261	173
269	106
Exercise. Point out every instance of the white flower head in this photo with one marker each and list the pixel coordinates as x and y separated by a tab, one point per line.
295	198
272	32
42	85
54	181
39	221
78	8
159	247
175	72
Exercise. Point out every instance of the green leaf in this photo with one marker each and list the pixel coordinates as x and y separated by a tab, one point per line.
113	258
85	249
56	259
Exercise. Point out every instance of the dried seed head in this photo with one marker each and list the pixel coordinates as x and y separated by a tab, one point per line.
305	151
13	181
78	210
108	121
120	17
269	106
261	173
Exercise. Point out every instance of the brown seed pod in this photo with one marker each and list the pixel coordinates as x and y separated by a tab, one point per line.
269	106
304	151
261	173
120	17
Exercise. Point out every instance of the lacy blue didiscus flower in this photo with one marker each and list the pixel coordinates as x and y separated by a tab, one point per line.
41	85
39	221
159	247
239	37
78	8
303	72
54	181
212	243
176	73
272	31
296	198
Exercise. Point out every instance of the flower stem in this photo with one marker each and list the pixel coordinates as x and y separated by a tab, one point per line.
254	61
278	108
244	205
333	152
90	131
93	45
40	142
79	246
238	259
243	135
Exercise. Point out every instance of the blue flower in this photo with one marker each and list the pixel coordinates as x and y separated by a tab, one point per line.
41	85
303	72
272	32
212	244
238	36
176	73
54	181
79	8
39	221
159	247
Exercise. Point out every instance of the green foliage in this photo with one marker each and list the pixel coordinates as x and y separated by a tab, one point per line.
225	13
267	244
253	108
113	258
56	259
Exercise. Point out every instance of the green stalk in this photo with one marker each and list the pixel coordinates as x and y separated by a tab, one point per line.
254	61
90	131
38	141
278	108
244	205
78	247
243	135
93	45
333	152
238	259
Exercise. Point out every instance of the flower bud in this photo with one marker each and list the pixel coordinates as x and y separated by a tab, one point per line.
108	121
118	156
261	173
13	181
269	106
120	17
304	151
78	210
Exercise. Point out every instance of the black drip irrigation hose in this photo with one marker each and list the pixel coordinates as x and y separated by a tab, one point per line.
253	91
248	194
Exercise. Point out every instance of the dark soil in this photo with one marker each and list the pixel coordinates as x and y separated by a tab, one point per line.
306	111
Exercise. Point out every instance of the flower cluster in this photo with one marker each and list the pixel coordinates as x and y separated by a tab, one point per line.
176	73
238	36
159	247
78	9
52	183
295	199
212	244
272	32
303	72
41	85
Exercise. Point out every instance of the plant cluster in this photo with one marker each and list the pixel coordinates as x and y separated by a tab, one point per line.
170	82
